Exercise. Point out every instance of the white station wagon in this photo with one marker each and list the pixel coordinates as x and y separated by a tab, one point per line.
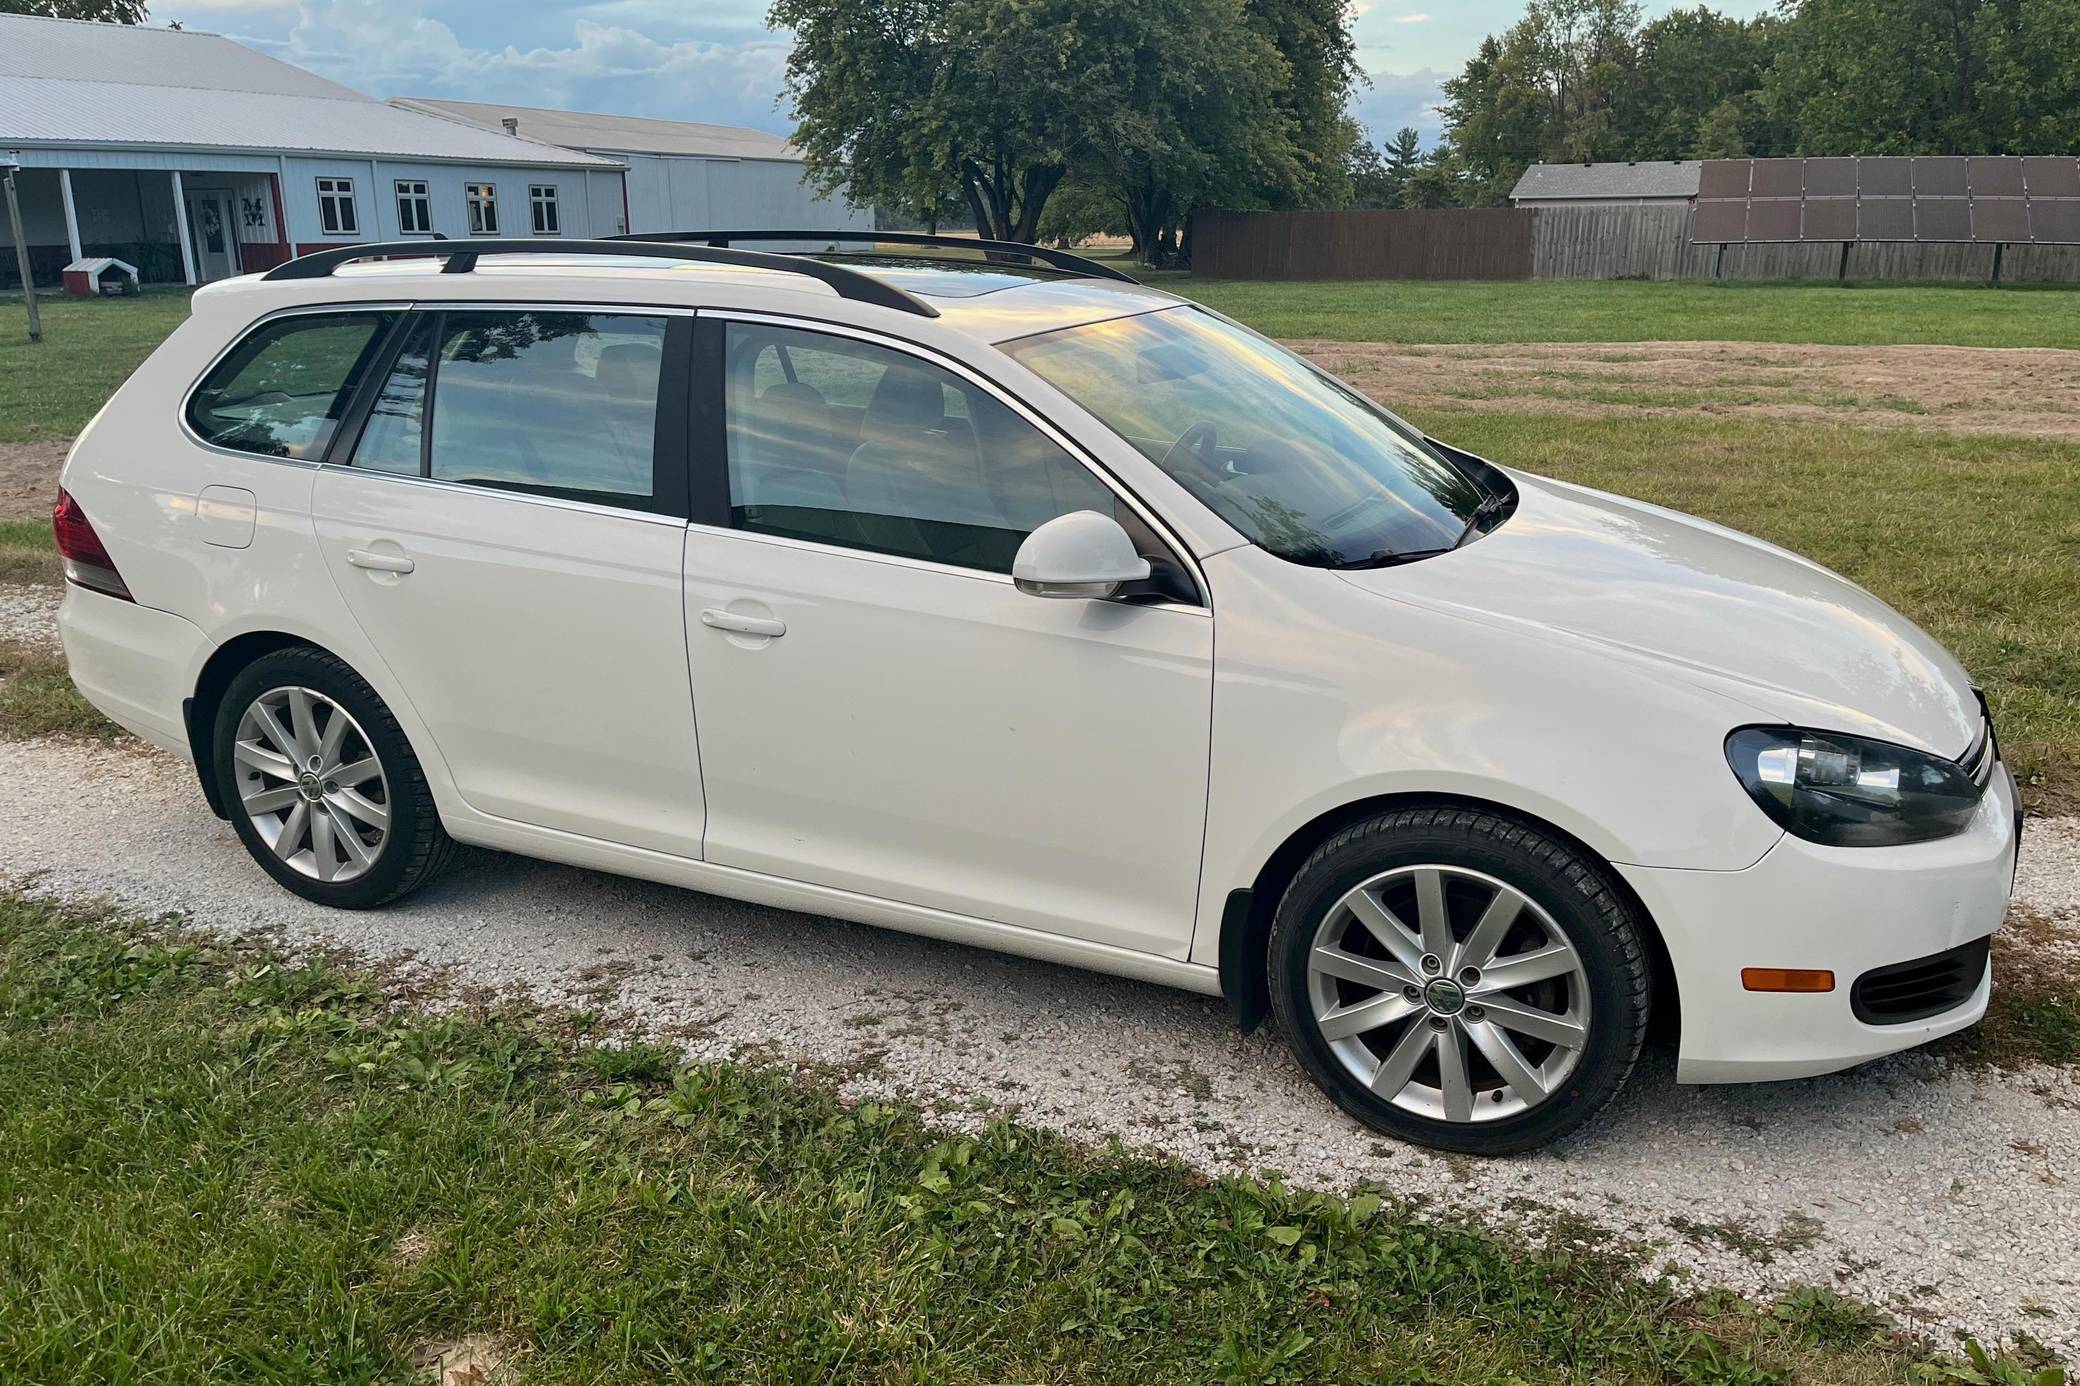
1012	602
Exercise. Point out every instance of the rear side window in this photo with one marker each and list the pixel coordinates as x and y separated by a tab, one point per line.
555	404
281	391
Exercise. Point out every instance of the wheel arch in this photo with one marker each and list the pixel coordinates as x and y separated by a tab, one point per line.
215	676
1246	915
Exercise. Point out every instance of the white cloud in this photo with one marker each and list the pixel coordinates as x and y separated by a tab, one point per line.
1396	99
1411	19
393	48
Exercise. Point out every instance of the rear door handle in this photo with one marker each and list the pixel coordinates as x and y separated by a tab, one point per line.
380	562
742	625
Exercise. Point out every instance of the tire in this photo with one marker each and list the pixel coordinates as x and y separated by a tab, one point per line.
1405	1038
309	811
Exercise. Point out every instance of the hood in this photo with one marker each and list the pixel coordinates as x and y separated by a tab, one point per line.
1703	604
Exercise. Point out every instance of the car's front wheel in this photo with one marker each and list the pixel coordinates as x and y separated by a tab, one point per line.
321	784
1459	979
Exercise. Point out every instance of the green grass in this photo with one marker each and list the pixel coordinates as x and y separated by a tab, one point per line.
37	697
1631	311
219	1166
1974	538
49	389
27	553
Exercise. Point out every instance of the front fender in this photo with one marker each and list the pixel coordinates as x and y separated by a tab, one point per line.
1327	696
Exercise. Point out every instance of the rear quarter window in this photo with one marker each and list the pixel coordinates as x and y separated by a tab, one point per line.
282	390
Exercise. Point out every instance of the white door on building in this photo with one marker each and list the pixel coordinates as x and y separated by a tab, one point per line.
212	226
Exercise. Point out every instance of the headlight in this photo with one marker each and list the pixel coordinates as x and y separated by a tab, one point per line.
1846	791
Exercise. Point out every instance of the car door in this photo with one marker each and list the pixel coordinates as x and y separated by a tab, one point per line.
508	531
882	710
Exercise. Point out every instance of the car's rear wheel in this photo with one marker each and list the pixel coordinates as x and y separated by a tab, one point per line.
1459	979
322	786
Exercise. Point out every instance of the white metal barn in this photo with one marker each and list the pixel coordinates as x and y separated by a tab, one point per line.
194	158
682	176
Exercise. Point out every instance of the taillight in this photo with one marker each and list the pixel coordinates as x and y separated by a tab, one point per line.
86	558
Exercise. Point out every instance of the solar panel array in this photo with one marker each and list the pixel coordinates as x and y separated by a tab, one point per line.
1989	199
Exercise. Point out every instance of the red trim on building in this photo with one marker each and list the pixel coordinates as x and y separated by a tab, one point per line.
254	256
281	222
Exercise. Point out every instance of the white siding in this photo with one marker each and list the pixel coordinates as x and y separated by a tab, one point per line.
684	193
375	197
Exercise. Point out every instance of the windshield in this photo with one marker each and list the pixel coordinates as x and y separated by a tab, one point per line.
1303	465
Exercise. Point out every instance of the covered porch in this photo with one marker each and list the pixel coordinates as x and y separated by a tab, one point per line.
181	219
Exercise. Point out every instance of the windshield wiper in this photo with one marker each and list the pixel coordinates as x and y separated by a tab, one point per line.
1384	559
1489	507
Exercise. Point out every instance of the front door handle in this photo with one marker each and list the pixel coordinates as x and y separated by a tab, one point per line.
380	562
742	625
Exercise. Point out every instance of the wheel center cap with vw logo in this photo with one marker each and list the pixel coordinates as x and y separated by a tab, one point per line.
311	786
1445	996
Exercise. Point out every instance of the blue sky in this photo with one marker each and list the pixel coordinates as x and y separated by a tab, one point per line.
714	60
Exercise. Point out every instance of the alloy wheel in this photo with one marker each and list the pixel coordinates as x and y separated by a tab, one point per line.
1449	993
311	784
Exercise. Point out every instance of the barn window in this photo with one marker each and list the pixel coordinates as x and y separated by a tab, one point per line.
336	207
541	201
483	208
414	208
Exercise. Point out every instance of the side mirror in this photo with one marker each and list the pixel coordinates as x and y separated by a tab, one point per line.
1081	554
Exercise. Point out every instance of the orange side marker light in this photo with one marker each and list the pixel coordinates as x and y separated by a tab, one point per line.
1786	979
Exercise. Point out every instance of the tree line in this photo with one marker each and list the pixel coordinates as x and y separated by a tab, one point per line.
1059	119
1588	80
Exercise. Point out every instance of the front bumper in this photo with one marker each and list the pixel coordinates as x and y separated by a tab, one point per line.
1844	909
136	665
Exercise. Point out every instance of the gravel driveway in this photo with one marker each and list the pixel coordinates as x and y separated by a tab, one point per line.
1949	1197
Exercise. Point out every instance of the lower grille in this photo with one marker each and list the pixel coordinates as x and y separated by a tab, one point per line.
1901	993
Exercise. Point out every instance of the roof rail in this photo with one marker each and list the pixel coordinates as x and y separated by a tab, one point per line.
1054	259
460	257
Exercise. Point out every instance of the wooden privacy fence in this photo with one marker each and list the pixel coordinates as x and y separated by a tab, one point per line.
1466	243
1568	243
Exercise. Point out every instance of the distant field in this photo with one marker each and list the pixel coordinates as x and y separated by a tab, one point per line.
1633	311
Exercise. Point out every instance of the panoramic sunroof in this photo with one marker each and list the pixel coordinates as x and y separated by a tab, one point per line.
946	278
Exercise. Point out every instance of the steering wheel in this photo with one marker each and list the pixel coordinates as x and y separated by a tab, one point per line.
1201	444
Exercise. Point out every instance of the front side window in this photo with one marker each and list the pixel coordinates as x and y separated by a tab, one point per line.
553	404
541	201
1298	462
281	391
336	215
848	443
414	208
483	208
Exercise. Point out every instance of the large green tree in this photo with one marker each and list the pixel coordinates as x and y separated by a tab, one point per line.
1546	89
1202	116
1931	76
920	104
1695	66
1160	105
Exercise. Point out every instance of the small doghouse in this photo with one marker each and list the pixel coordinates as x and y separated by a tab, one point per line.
100	274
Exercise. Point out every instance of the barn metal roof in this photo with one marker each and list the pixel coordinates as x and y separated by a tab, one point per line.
1667	178
67	82
621	134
